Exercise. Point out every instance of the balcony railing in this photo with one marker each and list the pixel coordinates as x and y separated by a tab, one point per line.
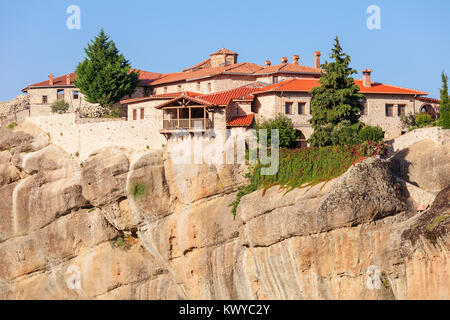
192	124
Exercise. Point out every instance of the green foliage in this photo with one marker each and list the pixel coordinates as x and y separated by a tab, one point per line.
423	120
336	102
300	168
104	76
287	133
444	118
370	133
345	134
12	125
60	106
408	121
138	190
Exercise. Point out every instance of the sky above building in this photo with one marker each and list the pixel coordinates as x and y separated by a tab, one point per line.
410	47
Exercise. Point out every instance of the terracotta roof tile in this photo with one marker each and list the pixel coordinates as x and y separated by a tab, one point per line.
238	68
305	85
223	98
164	96
431	100
196	99
146	78
223	51
241	121
288	68
202	65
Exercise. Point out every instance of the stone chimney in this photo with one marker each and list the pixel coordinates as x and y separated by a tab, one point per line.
50	79
284	60
268	63
68	79
317	59
367	82
295	59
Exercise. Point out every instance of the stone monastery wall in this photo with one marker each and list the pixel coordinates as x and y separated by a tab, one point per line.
82	139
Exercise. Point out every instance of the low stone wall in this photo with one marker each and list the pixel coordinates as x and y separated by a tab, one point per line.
82	139
437	134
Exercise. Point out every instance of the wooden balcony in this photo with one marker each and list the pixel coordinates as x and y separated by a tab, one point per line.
201	124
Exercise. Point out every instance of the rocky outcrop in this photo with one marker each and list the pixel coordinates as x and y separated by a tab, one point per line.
136	225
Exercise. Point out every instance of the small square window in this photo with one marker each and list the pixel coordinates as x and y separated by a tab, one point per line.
275	79
75	95
301	108
44	99
288	108
401	110
389	110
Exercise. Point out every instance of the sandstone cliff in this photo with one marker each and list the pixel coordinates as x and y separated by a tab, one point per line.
129	225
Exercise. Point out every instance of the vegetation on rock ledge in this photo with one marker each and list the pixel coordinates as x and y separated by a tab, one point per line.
301	168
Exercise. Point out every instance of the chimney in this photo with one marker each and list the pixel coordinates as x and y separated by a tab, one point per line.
317	59
50	80
295	59
68	79
268	63
284	60
367	82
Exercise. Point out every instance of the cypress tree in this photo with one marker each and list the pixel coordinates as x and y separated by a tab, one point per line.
104	76
336	104
444	118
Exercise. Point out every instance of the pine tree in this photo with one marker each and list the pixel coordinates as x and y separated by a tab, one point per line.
444	118
336	104
104	76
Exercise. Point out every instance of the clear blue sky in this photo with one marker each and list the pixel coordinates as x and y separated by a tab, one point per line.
411	49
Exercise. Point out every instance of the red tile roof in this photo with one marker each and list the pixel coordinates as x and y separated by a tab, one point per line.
305	85
288	68
146	78
164	96
197	99
430	100
238	68
241	121
223	98
202	65
223	51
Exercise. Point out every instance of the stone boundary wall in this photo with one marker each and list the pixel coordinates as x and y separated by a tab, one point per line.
437	134
82	139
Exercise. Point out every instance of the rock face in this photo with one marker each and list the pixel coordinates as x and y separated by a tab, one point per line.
128	225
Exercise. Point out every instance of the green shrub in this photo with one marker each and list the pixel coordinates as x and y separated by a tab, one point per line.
60	106
423	120
138	190
370	133
300	168
345	134
287	133
408	121
12	125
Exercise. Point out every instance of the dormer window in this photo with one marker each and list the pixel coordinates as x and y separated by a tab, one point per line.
275	79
